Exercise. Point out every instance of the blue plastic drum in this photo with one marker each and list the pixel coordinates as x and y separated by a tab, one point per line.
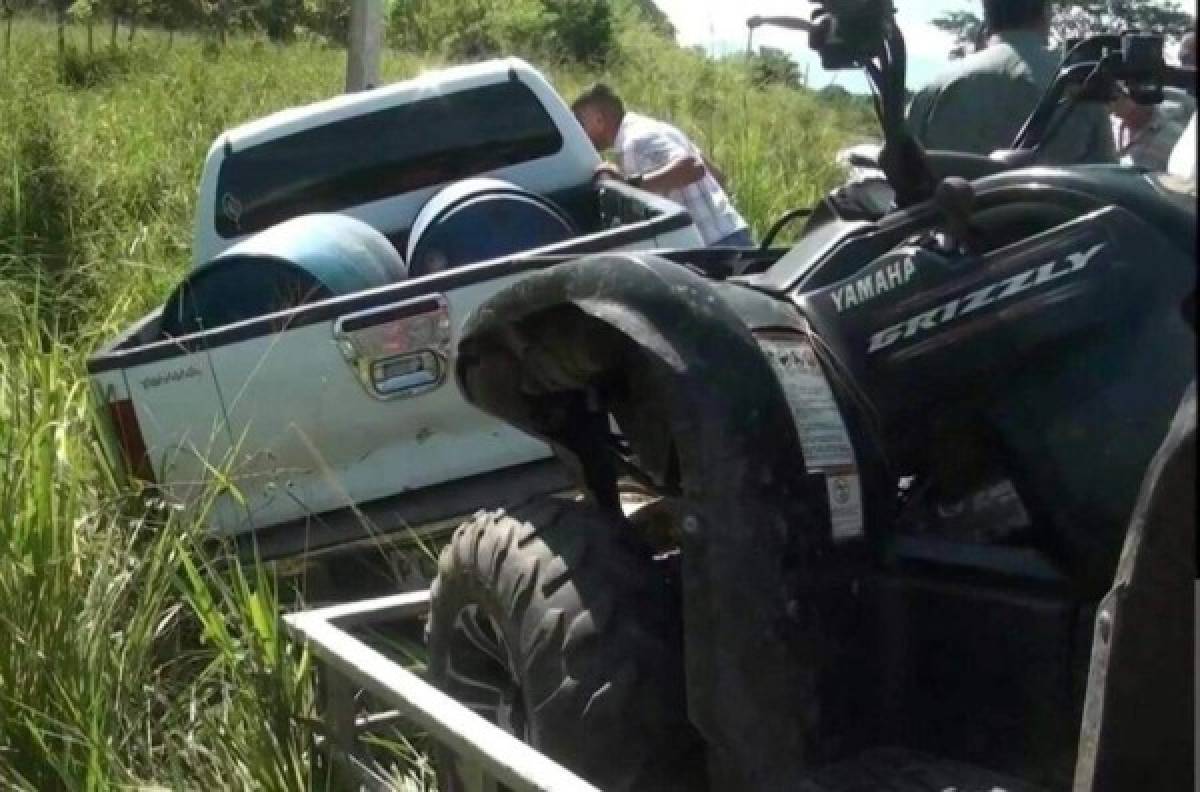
299	261
480	219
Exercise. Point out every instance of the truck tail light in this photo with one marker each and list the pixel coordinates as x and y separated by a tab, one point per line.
123	418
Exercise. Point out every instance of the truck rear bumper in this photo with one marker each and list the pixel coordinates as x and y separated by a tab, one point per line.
407	515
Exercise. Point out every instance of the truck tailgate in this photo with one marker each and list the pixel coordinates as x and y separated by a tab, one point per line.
314	427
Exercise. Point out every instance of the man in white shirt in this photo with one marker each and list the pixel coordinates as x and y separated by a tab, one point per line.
658	157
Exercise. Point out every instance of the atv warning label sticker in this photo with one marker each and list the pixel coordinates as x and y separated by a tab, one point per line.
823	435
845	505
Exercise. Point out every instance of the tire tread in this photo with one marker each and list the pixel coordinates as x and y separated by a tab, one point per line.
588	622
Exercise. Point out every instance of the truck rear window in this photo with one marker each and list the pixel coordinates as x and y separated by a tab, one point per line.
381	154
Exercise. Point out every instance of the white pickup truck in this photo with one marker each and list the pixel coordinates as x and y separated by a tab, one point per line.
317	428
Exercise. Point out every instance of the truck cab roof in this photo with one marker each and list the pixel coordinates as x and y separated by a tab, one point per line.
379	155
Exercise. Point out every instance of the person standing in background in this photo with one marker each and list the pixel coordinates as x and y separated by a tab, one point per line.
1145	134
981	102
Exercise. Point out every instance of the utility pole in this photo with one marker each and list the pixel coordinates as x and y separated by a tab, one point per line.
362	52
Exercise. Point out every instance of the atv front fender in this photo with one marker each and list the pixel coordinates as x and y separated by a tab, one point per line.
569	326
547	353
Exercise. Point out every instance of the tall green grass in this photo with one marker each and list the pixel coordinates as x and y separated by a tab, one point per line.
128	658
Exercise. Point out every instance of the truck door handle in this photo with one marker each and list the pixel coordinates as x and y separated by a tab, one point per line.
398	350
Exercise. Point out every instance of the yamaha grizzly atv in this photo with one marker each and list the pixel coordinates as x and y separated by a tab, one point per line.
922	502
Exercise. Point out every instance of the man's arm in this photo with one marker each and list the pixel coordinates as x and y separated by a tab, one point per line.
716	172
1084	136
1103	148
657	163
679	172
675	174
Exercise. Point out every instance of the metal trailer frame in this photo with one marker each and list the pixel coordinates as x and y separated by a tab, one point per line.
487	755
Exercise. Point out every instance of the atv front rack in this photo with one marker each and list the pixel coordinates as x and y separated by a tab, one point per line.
487	756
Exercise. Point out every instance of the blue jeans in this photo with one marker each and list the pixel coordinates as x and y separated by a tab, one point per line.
739	239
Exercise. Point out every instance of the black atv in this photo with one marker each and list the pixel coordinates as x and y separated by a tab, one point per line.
920	488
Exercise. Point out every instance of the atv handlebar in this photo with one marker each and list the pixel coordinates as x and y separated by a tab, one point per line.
1093	68
863	34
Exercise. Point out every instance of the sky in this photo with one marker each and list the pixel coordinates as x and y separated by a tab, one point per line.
720	27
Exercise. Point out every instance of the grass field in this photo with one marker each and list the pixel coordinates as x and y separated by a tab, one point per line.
129	659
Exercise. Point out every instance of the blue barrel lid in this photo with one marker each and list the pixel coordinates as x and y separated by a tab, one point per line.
302	260
479	219
342	253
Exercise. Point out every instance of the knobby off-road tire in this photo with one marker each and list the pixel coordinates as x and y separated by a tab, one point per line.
550	622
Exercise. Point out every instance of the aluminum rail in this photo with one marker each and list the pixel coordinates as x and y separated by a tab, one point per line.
345	661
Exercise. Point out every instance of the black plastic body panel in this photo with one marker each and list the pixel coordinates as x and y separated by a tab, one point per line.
988	674
1072	345
944	319
841	248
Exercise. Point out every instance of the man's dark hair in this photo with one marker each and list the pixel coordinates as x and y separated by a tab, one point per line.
600	95
999	15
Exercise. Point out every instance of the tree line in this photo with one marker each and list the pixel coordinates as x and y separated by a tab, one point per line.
1073	19
279	19
576	30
